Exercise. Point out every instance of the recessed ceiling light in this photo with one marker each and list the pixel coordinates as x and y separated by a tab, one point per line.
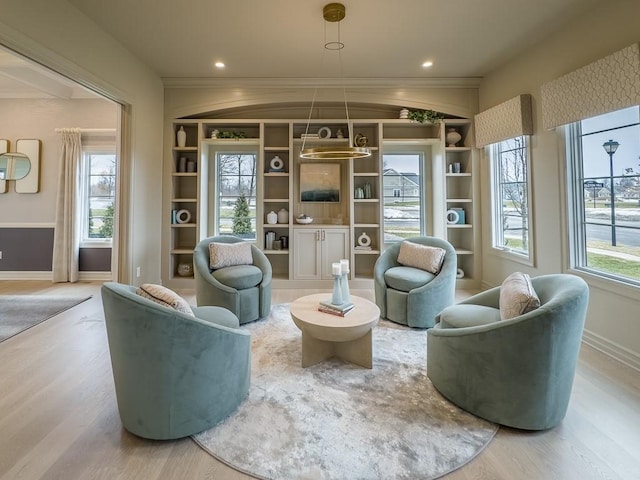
427	64
219	64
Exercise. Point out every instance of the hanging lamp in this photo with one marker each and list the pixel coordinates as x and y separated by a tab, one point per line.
333	12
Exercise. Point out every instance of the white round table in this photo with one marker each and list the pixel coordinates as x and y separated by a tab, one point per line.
325	335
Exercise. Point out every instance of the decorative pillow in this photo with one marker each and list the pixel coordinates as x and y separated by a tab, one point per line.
228	254
423	257
517	296
165	297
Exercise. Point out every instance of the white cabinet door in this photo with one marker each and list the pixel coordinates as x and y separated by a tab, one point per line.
306	248
334	245
316	249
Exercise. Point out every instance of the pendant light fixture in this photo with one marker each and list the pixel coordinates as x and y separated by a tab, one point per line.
333	12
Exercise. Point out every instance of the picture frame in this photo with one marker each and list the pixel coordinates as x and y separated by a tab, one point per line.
320	182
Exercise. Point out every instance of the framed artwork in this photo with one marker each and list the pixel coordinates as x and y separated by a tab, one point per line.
320	182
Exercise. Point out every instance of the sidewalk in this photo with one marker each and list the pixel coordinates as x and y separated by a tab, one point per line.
624	256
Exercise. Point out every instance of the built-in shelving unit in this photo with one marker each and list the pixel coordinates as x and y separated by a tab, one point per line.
349	228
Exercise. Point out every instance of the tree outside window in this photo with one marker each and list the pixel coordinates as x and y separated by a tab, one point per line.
100	188
237	179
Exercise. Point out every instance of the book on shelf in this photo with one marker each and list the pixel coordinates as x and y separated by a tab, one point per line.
331	311
339	308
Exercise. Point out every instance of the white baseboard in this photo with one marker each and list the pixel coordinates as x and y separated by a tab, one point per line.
612	349
83	276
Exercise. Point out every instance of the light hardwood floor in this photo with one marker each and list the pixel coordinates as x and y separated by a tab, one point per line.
59	420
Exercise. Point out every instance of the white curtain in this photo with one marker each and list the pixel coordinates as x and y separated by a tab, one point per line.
66	240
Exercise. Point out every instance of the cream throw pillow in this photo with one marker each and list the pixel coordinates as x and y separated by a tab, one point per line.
228	254
423	257
165	297
517	296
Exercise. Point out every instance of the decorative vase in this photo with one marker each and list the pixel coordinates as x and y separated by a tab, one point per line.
181	137
185	270
272	217
336	298
344	281
182	165
283	215
452	137
404	113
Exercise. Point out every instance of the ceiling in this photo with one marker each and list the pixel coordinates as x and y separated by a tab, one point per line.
283	39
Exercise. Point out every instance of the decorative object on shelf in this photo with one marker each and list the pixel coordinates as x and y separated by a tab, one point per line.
339	133
451	168
304	219
173	216
182	164
285	242
336	271
214	133
460	273
181	137
334	12
456	167
277	244
269	238
452	137
358	193
276	164
364	240
404	113
283	215
425	116
191	166
233	135
183	216
452	216
185	269
324	132
360	140
367	190
344	281
272	218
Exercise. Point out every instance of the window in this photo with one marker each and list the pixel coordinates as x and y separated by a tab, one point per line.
99	187
236	187
510	197
403	196
604	194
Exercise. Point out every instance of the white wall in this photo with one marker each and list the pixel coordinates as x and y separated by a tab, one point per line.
612	321
26	118
58	35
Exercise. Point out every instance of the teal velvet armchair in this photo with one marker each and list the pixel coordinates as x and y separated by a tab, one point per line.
243	289
517	372
175	375
411	296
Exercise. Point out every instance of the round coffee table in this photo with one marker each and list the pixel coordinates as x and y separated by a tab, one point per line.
325	335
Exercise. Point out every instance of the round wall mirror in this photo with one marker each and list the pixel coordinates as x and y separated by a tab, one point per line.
14	166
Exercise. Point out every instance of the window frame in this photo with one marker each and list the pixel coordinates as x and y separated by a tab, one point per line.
424	194
85	188
576	251
497	230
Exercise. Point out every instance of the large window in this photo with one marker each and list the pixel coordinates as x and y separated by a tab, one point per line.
403	182
99	187
604	194
236	187
510	168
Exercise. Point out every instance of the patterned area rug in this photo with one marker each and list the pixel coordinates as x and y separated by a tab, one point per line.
335	420
20	312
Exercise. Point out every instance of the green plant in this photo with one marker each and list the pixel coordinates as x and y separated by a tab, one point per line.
241	220
232	135
425	116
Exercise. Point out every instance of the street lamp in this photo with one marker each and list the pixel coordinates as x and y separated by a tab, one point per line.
610	147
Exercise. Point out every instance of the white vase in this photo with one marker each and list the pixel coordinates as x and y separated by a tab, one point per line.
283	216
452	137
272	217
181	137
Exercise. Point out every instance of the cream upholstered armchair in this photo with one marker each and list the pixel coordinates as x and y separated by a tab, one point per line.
411	287
238	278
516	371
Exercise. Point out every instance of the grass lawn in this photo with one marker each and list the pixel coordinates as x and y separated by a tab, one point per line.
617	266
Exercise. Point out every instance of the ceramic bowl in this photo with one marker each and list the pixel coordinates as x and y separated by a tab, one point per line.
304	220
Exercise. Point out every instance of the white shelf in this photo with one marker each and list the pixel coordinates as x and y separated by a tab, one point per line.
185	149
366	225
276	252
410	141
366	252
457	174
276	149
455	225
366	200
459	200
183	225
184	200
276	174
185	174
457	149
181	251
462	251
279	200
366	174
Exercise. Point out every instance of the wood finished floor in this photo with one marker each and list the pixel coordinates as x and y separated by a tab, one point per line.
59	420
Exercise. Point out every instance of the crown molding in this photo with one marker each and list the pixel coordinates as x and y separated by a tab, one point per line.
209	82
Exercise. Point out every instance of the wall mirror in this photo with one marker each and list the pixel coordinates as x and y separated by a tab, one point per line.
14	166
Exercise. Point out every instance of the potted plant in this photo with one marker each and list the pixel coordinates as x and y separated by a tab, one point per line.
425	116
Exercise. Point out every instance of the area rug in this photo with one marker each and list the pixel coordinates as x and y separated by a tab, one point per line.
335	420
21	312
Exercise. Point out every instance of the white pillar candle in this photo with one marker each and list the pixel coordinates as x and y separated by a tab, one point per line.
336	269
344	265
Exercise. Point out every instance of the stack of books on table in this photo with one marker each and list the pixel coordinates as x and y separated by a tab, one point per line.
341	310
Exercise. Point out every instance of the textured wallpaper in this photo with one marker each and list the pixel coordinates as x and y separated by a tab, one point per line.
608	84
